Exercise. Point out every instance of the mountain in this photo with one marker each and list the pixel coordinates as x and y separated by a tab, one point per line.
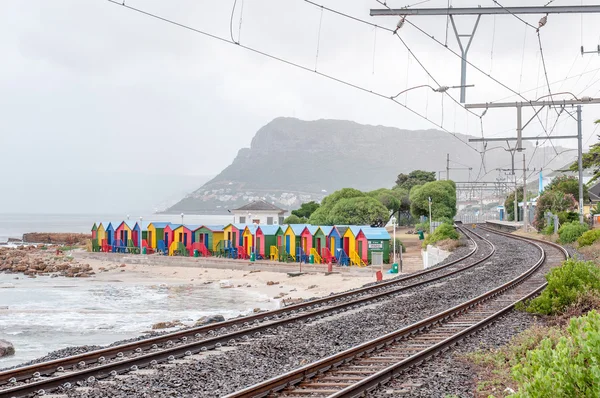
291	161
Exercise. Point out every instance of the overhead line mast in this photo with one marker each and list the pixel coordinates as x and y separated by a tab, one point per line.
479	11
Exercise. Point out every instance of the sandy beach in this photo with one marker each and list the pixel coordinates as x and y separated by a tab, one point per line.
278	285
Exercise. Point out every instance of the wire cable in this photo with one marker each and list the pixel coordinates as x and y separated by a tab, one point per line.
230	20
290	63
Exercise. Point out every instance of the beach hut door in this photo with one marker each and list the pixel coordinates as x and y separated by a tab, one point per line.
318	245
126	237
360	248
287	243
347	246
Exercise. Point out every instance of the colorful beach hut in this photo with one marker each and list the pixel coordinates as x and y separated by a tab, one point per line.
378	241
168	235
100	233
292	237
334	241
361	244
248	235
183	234
268	240
156	232
210	236
233	233
320	243
94	231
110	233
123	233
350	243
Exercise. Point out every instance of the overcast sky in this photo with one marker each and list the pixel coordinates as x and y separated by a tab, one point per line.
90	86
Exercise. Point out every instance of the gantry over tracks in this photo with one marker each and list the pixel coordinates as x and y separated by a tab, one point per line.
62	373
356	371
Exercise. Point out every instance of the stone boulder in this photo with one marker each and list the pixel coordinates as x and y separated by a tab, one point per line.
205	320
6	348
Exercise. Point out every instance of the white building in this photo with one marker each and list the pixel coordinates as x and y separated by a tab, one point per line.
259	212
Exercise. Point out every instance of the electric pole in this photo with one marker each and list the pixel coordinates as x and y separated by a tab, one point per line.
448	166
520	138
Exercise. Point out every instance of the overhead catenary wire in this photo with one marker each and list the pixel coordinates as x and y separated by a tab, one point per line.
287	62
319	39
395	33
230	20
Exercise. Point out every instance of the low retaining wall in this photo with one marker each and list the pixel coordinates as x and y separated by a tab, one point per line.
213	262
433	255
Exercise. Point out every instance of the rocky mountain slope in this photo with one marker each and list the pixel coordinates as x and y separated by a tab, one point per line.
291	161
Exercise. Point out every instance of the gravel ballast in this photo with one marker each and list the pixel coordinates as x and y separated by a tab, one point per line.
260	359
451	375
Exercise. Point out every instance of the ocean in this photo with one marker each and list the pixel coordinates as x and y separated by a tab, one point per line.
46	314
15	225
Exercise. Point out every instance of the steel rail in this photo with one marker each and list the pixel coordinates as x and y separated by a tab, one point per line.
185	349
47	367
309	371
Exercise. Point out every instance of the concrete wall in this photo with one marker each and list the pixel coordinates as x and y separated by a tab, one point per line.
433	255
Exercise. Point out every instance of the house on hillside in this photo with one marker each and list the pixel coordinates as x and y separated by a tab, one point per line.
259	212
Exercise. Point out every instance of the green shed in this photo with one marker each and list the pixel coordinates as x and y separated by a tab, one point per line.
378	240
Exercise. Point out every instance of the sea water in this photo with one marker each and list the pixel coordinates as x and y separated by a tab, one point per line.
15	225
45	314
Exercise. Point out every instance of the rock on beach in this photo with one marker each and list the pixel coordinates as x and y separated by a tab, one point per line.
32	261
6	348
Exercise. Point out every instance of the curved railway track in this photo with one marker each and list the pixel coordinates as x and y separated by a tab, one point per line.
356	371
47	376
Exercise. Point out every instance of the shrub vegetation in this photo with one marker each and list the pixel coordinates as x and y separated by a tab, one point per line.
570	232
567	368
588	238
565	285
442	232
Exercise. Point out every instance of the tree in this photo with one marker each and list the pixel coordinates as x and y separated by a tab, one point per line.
306	209
568	184
391	199
509	203
294	219
321	215
414	178
591	159
357	211
443	197
554	201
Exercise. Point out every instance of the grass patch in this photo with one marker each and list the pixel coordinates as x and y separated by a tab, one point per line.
450	245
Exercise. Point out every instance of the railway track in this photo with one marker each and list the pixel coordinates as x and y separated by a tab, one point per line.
63	373
356	371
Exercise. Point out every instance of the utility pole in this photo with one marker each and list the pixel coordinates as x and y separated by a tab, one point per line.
580	162
525	215
520	138
448	166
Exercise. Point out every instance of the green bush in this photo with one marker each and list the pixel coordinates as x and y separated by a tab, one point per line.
565	285
589	237
444	231
570	232
569	368
567	217
548	229
424	226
